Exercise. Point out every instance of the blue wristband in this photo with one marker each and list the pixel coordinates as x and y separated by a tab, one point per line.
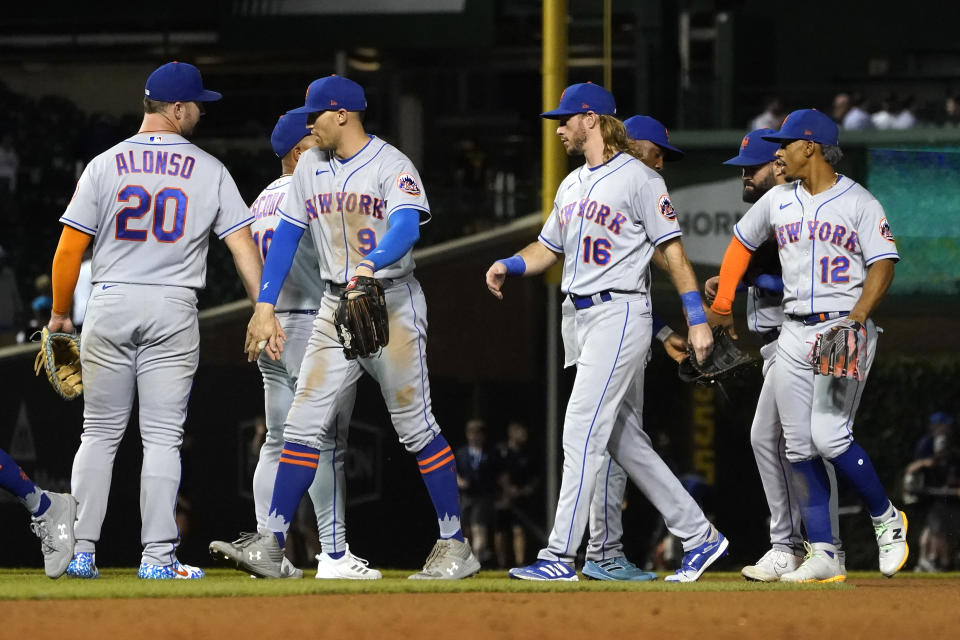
658	324
694	308
515	265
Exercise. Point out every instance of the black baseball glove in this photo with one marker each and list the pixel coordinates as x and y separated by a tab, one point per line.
361	318
837	352
725	361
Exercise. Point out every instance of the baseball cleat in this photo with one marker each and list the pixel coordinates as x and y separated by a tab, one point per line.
347	567
546	570
821	564
256	553
55	529
83	565
842	558
891	533
450	559
175	571
771	566
287	570
618	568
696	561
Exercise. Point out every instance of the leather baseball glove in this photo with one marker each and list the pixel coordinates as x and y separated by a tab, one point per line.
361	318
837	352
725	361
59	357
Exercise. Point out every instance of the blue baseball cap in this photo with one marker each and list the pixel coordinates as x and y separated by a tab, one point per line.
807	124
290	129
755	149
581	98
940	417
178	82
332	94
647	128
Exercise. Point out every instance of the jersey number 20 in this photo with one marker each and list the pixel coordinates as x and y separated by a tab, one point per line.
161	203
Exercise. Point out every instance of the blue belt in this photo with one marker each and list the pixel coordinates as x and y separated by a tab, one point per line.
585	302
817	318
306	312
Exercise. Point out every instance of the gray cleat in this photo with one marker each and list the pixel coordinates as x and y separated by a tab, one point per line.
256	553
55	530
449	560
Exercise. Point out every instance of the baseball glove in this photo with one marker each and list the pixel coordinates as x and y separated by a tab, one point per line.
725	361
361	318
59	357
837	352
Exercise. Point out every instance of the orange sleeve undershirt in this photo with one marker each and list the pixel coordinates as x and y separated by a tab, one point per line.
734	265
66	267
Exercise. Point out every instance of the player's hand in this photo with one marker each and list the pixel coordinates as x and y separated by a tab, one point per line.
701	337
726	321
496	275
710	288
676	346
60	323
264	333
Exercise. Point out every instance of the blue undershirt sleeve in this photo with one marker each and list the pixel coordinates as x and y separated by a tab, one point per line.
283	247
403	233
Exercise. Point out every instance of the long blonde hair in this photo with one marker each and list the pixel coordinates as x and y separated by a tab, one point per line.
614	135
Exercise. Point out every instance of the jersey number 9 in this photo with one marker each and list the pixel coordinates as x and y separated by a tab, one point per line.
161	203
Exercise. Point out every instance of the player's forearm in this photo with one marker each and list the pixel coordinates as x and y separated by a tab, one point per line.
537	258
246	257
685	280
659	260
732	269
66	268
875	286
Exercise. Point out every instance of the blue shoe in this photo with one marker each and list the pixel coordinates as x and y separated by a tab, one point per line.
545	570
696	561
618	568
83	566
175	571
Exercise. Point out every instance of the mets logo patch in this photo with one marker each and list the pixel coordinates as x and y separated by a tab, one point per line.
885	230
666	208
407	184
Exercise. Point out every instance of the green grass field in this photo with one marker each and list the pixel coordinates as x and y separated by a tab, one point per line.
31	584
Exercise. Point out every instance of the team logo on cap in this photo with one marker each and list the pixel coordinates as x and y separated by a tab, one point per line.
407	184
746	141
807	132
334	103
666	208
584	105
885	230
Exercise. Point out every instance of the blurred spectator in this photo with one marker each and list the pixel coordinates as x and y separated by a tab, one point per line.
938	423
518	483
477	479
951	110
83	289
883	119
11	305
934	483
9	165
904	117
849	114
771	117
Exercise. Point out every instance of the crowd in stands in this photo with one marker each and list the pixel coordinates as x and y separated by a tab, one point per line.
854	112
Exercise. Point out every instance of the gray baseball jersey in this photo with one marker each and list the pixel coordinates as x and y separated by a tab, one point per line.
347	205
150	202
303	288
607	221
826	242
764	310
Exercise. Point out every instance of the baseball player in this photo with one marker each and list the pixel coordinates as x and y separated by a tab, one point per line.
149	204
837	255
761	171
52	515
605	559
297	307
608	217
363	202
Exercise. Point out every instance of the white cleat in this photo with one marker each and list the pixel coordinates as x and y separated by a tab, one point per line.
819	565
449	560
891	531
347	567
771	566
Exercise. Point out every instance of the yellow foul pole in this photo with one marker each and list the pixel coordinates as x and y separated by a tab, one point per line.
554	169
